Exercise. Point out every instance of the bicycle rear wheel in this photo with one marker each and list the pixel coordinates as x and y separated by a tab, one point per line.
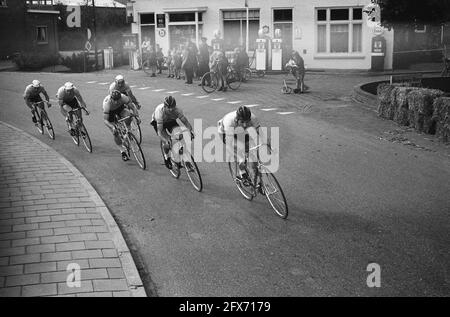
193	173
137	150
175	171
274	193
85	137
146	68
39	123
260	73
246	190
233	80
209	82
247	74
136	130
48	125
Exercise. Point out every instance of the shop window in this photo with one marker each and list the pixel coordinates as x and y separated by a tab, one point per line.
339	14
148	18
282	15
41	35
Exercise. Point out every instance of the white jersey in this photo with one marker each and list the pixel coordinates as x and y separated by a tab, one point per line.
228	124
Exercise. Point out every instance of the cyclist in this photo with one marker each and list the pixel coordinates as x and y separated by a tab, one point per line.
32	95
165	117
69	98
296	66
120	85
117	104
234	124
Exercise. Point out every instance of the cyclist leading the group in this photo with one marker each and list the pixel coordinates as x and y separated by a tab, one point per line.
32	95
117	104
165	117
120	85
69	98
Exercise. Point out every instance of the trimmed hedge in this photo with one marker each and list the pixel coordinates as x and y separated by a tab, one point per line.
35	61
441	116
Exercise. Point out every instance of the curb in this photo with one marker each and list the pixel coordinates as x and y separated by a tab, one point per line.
364	97
135	285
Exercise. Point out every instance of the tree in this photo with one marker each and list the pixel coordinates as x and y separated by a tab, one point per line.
412	12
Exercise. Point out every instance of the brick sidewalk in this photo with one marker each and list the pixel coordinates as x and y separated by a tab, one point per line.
50	217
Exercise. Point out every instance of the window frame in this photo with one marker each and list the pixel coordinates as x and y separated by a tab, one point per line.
37	34
420	30
3	4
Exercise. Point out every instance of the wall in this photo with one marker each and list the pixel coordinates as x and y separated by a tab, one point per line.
12	24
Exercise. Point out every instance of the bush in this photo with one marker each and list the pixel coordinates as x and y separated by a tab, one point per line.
35	61
78	62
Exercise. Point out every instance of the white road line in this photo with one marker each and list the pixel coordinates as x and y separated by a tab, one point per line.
103	83
201	97
251	106
144	88
172	92
234	102
269	109
218	99
91	82
132	86
188	94
158	90
284	113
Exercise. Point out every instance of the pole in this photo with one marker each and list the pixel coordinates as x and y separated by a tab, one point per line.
95	35
246	31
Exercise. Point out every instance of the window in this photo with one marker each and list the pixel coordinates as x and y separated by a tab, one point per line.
339	30
148	18
282	15
41	35
241	15
3	3
420	28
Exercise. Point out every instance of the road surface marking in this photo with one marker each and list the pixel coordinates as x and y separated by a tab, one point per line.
269	109
283	113
158	89
234	102
188	94
172	92
251	106
218	99
103	83
143	88
201	97
91	82
132	86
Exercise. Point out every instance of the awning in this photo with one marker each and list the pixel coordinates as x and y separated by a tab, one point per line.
181	10
43	11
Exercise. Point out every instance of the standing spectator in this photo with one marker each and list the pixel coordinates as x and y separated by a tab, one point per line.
145	47
159	58
177	61
188	63
194	50
203	60
152	62
242	62
297	67
170	63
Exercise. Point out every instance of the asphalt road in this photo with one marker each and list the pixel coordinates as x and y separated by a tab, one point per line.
354	198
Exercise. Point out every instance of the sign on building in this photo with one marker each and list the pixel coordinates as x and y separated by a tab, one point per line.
130	41
74	17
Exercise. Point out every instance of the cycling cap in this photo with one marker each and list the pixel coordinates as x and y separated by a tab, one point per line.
119	78
115	95
170	102
243	113
68	86
36	83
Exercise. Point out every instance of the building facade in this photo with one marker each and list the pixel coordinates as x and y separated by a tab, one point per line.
28	25
329	34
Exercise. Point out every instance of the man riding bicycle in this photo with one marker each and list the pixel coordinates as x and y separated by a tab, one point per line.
117	104
235	125
165	117
120	85
69	98
32	95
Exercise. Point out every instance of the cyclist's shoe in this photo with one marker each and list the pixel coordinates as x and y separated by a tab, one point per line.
189	167
72	132
168	163
33	118
124	156
261	189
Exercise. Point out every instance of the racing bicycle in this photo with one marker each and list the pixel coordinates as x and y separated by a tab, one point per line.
78	130
129	140
42	119
211	80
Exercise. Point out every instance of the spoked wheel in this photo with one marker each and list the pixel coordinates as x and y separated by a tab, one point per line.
75	136
39	123
85	137
286	90
193	172
175	171
209	82
233	80
247	74
48	126
274	193
245	189
146	68
137	151
136	129
260	73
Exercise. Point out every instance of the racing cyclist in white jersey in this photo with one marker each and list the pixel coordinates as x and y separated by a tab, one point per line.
120	85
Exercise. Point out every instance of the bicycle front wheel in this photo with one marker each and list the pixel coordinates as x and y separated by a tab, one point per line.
209	82
274	193
233	80
75	136
245	189
137	150
136	130
175	171
39	123
193	173
48	125
85	137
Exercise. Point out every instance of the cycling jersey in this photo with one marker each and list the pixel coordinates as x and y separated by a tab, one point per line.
114	107
69	97
161	115
229	125
32	94
124	89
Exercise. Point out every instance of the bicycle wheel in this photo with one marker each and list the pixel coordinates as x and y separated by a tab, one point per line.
233	80
48	125
137	150
260	73
274	193
85	137
193	173
136	130
175	171
247	74
146	68
39	124
245	189
75	136
209	82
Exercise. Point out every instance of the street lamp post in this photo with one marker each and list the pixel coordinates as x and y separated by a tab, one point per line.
95	35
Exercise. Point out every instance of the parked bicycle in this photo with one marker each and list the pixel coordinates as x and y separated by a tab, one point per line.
211	80
78	130
42	119
129	140
182	158
263	181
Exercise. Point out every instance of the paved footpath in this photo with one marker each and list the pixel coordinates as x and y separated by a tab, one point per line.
52	219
